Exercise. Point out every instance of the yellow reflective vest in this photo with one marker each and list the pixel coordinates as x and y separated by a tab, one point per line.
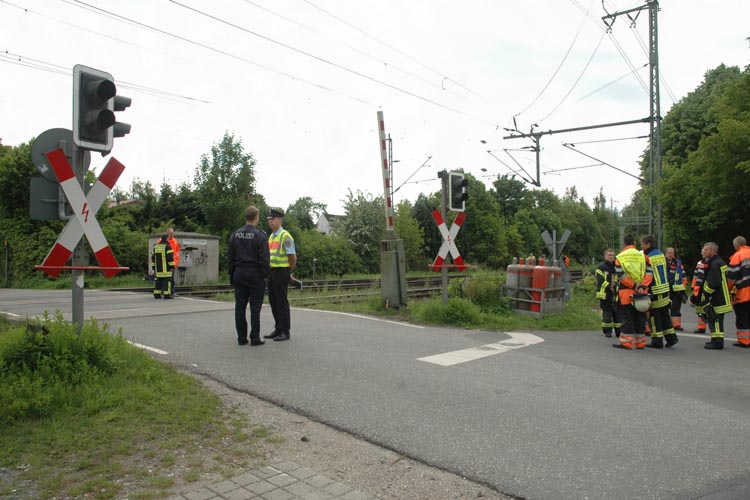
276	248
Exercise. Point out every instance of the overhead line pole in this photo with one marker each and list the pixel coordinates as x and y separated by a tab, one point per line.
536	137
655	160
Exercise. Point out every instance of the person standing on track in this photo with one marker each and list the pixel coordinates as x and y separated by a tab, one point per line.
283	260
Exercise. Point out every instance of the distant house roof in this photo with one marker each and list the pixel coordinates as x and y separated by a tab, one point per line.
134	203
327	221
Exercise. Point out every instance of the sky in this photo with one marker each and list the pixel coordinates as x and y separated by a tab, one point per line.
300	83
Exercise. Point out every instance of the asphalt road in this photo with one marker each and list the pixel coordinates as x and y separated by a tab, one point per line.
566	418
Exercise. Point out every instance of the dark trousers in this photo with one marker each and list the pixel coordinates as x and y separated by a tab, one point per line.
163	287
633	321
278	288
249	288
661	322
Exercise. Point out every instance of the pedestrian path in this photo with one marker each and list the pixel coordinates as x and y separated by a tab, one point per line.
282	481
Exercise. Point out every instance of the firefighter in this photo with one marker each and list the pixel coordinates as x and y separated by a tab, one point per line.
713	297
606	285
738	280
698	276
632	279
677	287
661	319
163	261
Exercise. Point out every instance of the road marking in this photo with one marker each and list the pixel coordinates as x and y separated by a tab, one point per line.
360	317
147	348
517	341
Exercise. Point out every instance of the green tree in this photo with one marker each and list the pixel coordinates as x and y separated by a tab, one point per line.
305	211
364	227
225	184
410	232
330	255
16	171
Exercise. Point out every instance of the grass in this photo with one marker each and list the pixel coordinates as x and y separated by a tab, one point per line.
91	416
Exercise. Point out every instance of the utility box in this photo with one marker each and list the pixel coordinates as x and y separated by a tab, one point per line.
393	273
199	258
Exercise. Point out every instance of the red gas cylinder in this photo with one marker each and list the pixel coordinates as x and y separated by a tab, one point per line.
524	282
539	279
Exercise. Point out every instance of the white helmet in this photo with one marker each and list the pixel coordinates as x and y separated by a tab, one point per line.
641	301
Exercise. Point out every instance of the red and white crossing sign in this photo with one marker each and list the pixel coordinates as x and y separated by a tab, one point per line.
84	221
449	243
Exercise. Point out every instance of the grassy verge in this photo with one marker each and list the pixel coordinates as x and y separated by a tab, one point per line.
91	416
477	304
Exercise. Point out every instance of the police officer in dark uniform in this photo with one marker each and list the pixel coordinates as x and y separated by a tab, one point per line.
248	260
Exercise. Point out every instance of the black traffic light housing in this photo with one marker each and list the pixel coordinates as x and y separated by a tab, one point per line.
95	100
458	194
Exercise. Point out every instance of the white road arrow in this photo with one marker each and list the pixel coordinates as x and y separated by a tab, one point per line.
517	341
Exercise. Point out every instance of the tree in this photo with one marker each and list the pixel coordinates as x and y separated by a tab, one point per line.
16	171
305	211
364	227
409	231
225	184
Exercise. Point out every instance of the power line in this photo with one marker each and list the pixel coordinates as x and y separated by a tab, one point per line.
393	48
331	63
575	83
554	74
120	18
386	64
645	65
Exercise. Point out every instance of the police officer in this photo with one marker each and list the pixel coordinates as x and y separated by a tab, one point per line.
248	261
283	260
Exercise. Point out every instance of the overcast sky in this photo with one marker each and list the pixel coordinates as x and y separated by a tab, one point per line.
300	82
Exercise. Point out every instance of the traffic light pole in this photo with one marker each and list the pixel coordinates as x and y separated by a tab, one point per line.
444	210
80	255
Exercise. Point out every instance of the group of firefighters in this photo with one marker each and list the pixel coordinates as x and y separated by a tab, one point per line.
641	293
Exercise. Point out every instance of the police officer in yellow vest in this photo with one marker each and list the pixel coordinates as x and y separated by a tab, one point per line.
661	315
283	260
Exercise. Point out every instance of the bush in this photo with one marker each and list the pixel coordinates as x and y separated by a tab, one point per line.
484	288
53	366
457	311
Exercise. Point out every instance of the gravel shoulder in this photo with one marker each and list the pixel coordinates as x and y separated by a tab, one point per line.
345	458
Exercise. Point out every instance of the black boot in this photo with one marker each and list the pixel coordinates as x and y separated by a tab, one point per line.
272	335
607	332
656	343
671	339
617	333
716	343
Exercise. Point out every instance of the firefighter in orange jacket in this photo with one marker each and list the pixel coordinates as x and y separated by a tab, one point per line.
633	278
738	282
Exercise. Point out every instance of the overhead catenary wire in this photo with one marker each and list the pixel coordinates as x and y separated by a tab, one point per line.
557	70
385	63
333	64
645	65
141	25
575	83
444	77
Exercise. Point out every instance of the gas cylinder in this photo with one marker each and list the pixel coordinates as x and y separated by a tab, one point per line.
511	274
539	279
524	281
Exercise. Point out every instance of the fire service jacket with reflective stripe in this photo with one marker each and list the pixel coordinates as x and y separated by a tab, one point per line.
715	290
163	259
630	266
660	283
738	275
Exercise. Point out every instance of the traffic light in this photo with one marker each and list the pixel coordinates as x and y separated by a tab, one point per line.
458	194
95	100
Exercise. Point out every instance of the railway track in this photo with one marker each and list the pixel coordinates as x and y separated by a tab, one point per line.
336	291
